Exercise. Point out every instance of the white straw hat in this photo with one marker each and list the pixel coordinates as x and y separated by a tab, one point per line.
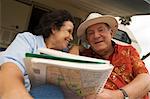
94	18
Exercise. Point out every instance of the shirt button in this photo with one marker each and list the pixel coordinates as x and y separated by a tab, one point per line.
113	77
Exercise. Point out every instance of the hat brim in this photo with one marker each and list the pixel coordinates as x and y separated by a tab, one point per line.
111	21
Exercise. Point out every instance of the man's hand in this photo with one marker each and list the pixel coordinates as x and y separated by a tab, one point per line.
75	46
107	94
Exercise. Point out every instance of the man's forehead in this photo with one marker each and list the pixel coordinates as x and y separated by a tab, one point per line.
100	25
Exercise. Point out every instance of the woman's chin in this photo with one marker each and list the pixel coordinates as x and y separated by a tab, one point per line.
65	47
62	47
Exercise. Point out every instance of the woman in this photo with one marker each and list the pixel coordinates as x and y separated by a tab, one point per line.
54	32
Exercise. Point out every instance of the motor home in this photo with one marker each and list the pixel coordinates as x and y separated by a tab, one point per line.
23	15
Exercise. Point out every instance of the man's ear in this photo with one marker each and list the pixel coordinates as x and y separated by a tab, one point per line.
111	32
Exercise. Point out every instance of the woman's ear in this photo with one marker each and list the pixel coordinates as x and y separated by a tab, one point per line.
53	29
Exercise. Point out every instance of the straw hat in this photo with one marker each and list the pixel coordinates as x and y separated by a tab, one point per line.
94	18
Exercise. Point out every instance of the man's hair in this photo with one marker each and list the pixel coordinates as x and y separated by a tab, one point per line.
51	20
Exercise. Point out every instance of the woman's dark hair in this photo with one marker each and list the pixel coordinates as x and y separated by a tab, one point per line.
51	20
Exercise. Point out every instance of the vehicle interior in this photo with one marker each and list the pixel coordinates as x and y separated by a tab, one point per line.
23	15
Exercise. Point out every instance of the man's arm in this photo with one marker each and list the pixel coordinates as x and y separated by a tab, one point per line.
12	86
139	87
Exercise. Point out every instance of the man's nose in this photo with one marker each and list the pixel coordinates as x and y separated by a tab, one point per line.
96	34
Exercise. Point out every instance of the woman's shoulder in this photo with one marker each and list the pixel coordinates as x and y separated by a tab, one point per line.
31	39
25	34
25	38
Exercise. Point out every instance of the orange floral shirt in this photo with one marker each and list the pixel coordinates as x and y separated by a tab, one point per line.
127	65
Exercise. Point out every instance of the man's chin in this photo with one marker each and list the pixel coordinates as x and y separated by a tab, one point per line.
99	48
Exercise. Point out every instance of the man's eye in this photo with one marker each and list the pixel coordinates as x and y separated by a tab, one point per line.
90	33
100	30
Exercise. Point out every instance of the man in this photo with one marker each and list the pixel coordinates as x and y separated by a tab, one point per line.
129	78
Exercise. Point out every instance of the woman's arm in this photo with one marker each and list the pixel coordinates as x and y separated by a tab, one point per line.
12	86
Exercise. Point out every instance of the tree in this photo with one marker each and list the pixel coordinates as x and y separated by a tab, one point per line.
125	20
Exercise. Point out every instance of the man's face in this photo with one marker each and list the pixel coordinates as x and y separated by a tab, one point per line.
99	36
64	35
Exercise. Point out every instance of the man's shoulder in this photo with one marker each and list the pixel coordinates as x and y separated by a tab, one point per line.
124	46
125	49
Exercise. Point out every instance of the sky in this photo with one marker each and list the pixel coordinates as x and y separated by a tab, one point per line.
140	26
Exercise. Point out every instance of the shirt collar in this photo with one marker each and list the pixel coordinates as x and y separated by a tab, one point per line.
98	56
40	42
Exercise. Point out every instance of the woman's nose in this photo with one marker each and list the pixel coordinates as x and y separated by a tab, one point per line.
71	37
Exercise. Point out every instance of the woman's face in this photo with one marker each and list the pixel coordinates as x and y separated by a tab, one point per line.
63	36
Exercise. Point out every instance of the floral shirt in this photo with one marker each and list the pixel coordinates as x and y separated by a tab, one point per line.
127	65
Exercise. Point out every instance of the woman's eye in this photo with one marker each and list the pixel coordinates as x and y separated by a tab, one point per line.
70	31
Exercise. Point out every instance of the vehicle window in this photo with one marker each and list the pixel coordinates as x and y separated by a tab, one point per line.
122	36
